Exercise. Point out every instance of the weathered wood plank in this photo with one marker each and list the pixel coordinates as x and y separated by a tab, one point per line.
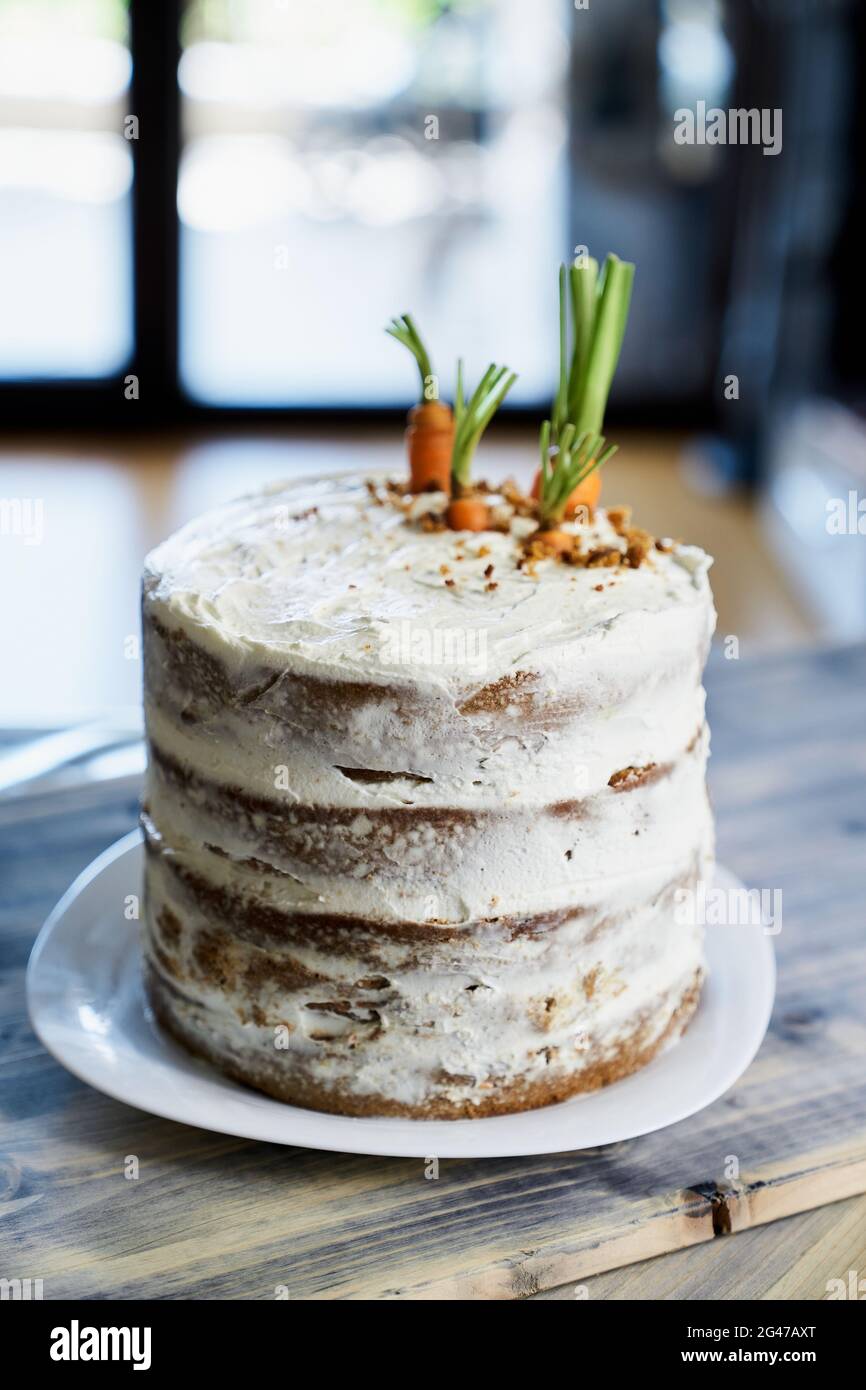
796	1258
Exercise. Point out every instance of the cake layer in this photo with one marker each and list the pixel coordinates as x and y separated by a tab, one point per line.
369	1017
632	696
444	757
446	863
314	579
198	1029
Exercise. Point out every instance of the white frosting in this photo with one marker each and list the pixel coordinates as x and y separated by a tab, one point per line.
601	670
563	999
352	590
534	768
521	860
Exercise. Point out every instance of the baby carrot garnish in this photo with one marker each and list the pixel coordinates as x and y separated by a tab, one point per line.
599	307
468	514
567	469
429	442
473	416
430	430
441	444
558	542
586	494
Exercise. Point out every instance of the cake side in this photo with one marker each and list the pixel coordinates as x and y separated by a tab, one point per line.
369	1017
480	831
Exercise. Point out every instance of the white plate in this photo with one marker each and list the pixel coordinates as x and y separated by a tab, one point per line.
87	1006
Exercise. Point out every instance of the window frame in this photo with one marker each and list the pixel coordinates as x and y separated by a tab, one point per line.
101	404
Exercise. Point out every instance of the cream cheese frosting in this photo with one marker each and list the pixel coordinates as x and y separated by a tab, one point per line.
353	718
316	575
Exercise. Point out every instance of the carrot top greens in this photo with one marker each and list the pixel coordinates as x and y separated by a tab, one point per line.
473	416
577	456
404	330
571	442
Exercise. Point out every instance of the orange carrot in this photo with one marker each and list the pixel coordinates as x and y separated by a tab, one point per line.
468	514
586	494
559	542
429	441
430	428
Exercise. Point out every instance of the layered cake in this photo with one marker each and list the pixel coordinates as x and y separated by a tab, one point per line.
420	800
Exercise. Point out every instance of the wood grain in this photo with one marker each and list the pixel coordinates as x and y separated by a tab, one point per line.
213	1217
791	1259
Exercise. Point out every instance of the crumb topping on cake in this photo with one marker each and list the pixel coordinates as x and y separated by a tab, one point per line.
339	574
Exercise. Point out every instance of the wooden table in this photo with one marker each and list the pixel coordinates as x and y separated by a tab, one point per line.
218	1217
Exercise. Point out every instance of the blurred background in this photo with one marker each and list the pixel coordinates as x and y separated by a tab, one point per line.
209	209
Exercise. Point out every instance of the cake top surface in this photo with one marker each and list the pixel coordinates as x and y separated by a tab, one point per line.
342	576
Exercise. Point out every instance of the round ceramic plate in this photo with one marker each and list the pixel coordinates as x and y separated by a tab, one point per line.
88	1008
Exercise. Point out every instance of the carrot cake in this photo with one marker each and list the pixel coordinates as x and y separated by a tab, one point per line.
419	799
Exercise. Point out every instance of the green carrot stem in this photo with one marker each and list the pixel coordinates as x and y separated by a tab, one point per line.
481	413
493	405
613	296
572	455
594	463
404	330
577	457
569	462
487	383
473	417
583	283
559	414
544	449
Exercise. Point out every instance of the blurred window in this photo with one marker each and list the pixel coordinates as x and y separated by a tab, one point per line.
65	189
346	161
